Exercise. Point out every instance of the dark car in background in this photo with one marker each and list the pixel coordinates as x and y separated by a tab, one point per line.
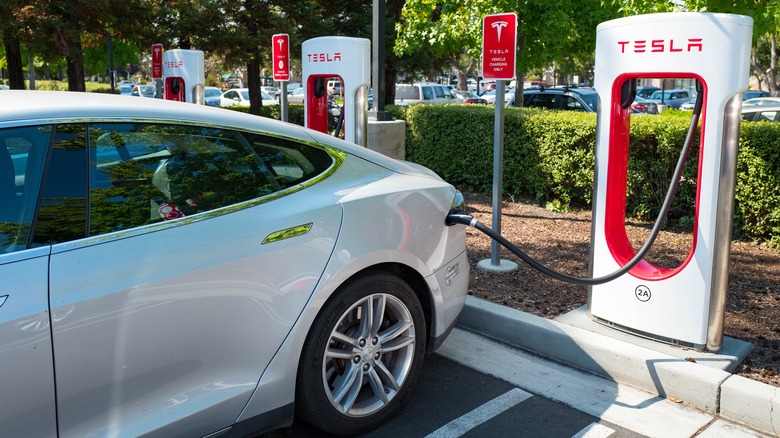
752	94
647	91
561	98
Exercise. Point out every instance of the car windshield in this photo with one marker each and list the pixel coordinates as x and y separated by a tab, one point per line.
592	100
245	94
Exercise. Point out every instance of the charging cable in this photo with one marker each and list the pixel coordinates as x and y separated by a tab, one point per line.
461	217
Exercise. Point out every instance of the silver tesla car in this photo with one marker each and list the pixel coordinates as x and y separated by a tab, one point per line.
171	269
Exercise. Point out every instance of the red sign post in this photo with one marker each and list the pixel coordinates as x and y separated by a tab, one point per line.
280	55
157	51
499	46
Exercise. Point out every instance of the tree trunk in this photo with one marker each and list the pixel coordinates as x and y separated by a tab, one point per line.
13	55
772	72
73	57
767	76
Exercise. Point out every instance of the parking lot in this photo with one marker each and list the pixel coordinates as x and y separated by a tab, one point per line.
477	387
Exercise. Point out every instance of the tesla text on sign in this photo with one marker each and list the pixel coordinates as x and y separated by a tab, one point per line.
499	45
281	56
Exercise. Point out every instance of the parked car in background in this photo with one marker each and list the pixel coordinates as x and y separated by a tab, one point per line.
144	91
671	98
334	86
125	83
212	96
424	92
689	105
271	91
490	96
762	101
186	271
297	96
752	94
561	98
642	105
240	97
761	113
125	90
468	97
646	91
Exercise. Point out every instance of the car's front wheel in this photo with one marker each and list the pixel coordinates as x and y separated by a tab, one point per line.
363	355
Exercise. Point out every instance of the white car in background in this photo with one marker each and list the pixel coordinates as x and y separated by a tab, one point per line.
185	271
240	97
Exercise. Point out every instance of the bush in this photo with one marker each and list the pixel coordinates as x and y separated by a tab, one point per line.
549	160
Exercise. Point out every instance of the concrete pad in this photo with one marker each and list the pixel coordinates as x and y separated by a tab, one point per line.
503	266
732	353
752	403
724	429
624	362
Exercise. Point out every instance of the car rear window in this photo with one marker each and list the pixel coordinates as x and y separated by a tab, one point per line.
407	92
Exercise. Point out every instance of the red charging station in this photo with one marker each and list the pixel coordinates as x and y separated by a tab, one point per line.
184	75
685	304
349	60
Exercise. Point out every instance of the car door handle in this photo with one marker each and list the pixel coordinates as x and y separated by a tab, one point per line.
288	233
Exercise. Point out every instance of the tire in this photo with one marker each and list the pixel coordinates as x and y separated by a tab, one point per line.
356	372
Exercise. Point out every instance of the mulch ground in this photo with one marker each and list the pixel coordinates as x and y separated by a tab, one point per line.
562	241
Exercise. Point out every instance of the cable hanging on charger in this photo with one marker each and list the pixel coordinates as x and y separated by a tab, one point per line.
629	89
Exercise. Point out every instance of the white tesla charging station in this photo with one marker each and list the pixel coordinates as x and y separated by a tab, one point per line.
348	59
184	76
683	305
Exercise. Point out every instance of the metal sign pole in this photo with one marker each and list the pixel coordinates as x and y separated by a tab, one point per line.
499	46
498	170
283	102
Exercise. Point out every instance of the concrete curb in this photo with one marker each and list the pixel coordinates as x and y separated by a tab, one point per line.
709	389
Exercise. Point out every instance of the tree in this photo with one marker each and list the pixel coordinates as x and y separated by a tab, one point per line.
548	30
12	23
766	27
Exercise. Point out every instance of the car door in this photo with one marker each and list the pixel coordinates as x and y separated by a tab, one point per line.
27	403
192	272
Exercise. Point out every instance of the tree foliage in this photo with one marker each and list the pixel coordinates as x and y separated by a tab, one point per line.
766	27
548	30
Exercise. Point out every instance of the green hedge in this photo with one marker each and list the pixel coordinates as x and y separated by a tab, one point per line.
548	159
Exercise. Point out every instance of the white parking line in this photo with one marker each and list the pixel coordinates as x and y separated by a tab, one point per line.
465	423
621	405
594	430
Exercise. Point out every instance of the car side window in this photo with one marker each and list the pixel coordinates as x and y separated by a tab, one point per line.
289	162
768	116
572	104
62	214
23	153
146	173
427	93
542	100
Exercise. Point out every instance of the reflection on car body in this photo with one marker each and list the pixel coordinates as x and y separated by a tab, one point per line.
186	271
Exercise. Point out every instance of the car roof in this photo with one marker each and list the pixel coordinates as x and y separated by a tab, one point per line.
760	108
26	107
561	90
51	106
